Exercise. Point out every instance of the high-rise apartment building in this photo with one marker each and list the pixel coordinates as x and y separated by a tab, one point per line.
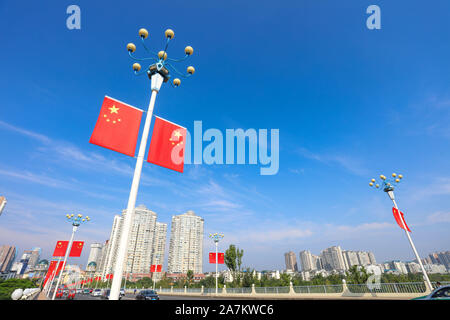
7	256
306	260
291	261
2	204
186	244
333	259
363	258
146	240
95	255
351	258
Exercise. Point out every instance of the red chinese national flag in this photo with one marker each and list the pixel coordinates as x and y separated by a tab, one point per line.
153	268
77	247
399	217
212	257
221	258
158	268
167	145
117	126
60	249
50	271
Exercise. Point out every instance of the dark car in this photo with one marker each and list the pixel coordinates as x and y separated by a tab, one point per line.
147	295
105	294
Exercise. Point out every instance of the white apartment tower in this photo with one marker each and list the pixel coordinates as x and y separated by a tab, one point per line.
333	259
186	243
95	255
146	240
307	261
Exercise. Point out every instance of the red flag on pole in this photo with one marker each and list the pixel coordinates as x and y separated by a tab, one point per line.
212	257
50	271
155	268
60	249
117	126
77	247
399	217
167	145
221	258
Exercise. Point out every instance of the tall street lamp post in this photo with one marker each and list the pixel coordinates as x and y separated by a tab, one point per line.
158	72
387	185
76	222
216	237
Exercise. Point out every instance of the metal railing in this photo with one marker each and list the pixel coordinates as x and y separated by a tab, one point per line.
272	290
338	288
394	288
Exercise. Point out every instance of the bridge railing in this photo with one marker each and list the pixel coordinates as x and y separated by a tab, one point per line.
371	288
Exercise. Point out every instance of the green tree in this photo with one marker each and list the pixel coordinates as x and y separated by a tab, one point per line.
7	287
189	277
356	275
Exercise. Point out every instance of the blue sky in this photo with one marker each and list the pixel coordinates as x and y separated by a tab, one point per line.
350	103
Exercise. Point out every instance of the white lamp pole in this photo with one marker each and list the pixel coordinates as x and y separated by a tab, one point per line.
216	237
156	83
391	196
76	221
387	185
158	73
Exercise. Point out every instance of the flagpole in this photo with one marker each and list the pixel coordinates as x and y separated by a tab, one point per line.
391	196
69	247
52	276
217	260
156	82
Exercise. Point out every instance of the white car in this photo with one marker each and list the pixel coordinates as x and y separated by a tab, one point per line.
96	293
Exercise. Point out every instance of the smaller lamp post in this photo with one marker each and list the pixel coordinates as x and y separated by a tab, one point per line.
216	237
387	185
76	221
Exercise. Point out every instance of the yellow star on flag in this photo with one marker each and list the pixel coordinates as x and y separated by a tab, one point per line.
114	109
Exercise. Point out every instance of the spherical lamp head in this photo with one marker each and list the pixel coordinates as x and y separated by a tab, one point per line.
189	50
176	82
169	34
190	70
162	55
136	67
371	184
143	33
394	175
131	47
397	180
400	176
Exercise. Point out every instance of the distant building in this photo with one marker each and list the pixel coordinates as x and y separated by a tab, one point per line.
7	256
146	243
186	244
95	255
290	261
435	268
333	259
306	260
2	204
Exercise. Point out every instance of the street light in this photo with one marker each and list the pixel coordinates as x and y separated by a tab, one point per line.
76	221
387	185
158	72
216	237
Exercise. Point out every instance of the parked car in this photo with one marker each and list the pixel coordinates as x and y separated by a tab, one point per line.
71	294
96	293
105	294
122	292
86	291
59	293
147	295
79	291
441	293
